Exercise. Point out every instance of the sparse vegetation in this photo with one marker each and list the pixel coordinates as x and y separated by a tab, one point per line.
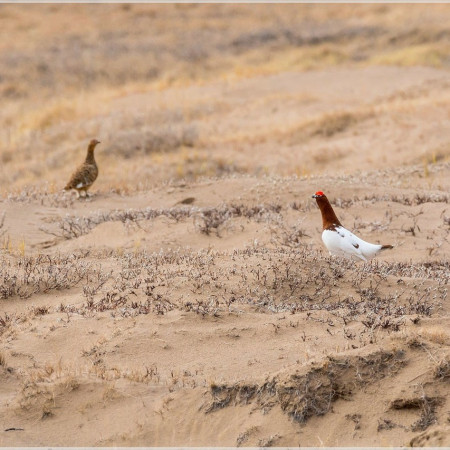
205	219
31	275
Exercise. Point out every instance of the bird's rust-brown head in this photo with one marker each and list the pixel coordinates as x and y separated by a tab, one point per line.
329	218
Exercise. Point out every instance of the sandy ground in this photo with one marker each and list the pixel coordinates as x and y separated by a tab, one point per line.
190	301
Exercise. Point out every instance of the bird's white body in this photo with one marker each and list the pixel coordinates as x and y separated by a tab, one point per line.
341	242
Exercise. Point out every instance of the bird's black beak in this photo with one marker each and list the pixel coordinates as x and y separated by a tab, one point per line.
314	196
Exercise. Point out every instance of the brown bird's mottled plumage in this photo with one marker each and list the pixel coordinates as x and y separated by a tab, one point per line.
85	175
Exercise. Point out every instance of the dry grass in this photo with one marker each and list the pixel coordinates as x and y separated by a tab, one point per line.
437	336
328	125
65	95
429	54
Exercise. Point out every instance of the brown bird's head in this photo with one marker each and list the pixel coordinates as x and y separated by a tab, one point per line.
93	143
329	218
90	151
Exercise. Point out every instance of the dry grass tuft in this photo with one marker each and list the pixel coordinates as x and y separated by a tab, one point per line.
437	336
425	54
442	370
328	125
2	223
245	436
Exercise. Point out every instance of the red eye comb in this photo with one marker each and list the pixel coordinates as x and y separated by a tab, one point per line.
319	193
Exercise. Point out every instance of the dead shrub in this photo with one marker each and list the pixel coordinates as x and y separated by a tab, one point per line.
302	396
426	405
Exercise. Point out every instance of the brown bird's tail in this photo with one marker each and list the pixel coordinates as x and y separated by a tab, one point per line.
386	247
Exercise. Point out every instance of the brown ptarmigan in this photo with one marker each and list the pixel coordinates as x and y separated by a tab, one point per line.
338	240
84	177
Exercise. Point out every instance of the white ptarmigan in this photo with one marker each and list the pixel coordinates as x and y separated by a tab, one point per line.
338	240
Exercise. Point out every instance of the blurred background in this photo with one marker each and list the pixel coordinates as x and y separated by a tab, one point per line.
180	92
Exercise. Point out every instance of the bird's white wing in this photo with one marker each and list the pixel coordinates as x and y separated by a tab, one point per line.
351	244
